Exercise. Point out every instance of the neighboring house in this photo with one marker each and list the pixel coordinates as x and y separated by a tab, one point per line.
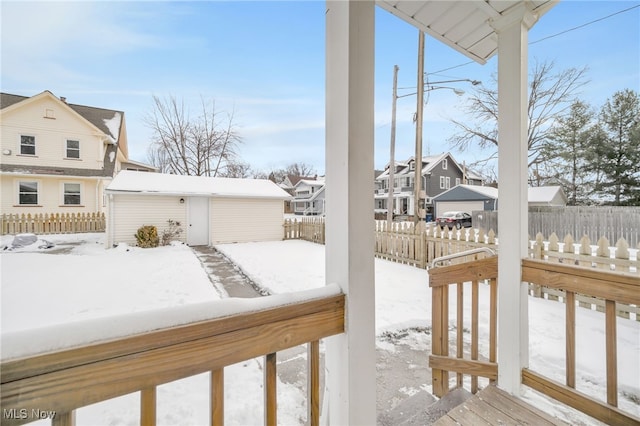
58	157
136	166
210	210
289	185
547	196
470	198
309	196
438	173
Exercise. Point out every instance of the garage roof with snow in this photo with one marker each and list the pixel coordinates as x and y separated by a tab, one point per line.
165	184
468	192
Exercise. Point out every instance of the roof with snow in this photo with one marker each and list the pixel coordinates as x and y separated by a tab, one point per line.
467	192
319	181
537	196
547	195
164	184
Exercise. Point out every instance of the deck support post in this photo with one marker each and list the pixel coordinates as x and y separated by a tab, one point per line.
513	340
350	357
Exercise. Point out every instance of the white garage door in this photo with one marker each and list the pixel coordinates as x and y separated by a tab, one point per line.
461	206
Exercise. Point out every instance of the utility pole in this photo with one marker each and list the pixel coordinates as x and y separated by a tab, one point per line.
392	149
417	180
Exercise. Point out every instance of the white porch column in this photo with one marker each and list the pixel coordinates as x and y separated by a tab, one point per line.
350	358
513	339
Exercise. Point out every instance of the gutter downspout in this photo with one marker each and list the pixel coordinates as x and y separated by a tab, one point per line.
110	227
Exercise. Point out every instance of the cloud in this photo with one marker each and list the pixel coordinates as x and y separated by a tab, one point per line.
42	41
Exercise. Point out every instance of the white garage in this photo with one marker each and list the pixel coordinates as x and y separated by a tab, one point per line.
208	210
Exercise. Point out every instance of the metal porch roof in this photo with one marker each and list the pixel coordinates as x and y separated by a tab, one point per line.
466	26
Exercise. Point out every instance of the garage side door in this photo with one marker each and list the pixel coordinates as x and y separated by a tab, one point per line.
462	206
235	220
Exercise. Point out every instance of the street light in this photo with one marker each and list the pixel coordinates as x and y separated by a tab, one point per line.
428	86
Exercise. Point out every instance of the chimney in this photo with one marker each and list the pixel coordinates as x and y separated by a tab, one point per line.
63	99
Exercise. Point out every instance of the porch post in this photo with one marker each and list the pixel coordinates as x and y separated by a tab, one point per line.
513	339
350	357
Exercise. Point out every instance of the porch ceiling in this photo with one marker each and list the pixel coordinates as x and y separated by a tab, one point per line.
467	26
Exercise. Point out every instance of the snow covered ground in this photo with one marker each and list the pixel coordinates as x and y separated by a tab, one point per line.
87	282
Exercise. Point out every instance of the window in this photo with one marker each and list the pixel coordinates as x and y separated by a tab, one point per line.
27	145
442	182
73	149
71	194
444	164
457	181
412	166
448	182
28	193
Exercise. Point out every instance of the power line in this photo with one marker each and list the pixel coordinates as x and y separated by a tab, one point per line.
584	25
552	35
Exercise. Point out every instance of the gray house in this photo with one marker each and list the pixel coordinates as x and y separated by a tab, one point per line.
439	173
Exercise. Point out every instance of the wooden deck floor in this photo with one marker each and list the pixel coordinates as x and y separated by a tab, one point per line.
492	406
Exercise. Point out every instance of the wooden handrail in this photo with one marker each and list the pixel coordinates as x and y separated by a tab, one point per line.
65	380
612	287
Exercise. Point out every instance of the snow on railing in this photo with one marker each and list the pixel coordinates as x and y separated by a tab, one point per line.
74	365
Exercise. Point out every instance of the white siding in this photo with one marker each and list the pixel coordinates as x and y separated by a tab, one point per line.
127	213
51	136
235	220
50	194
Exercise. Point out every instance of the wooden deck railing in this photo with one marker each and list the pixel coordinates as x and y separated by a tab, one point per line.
609	286
65	380
440	361
571	282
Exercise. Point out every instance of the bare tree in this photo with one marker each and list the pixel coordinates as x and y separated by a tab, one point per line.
300	169
236	170
201	146
550	96
294	169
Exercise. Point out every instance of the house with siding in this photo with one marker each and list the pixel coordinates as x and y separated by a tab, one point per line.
58	157
309	196
209	210
439	173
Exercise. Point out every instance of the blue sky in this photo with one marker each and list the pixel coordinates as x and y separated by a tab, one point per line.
265	61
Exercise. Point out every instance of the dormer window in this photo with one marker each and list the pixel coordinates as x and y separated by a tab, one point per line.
27	145
73	149
412	166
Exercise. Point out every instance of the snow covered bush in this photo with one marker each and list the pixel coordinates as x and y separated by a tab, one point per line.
171	233
147	236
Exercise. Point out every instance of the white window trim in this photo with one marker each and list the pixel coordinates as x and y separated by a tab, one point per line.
35	145
458	181
38	192
448	182
62	192
442	182
445	164
66	149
